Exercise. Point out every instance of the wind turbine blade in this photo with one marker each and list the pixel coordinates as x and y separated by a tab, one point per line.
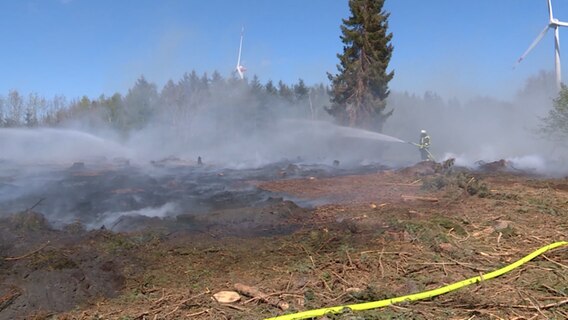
550	17
561	23
533	44
240	49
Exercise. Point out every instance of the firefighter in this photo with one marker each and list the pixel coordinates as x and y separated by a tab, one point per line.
424	146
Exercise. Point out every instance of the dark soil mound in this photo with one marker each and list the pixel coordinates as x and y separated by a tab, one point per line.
44	271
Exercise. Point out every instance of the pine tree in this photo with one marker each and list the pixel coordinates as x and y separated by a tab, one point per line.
139	104
270	88
256	86
360	89
285	92
300	91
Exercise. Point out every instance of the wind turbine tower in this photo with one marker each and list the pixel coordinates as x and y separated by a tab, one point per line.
240	69
553	23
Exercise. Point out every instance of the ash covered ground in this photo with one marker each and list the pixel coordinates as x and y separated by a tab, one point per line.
118	196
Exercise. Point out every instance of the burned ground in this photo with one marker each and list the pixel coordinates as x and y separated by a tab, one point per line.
310	236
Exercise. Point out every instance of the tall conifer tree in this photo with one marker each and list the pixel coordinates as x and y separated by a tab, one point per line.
360	89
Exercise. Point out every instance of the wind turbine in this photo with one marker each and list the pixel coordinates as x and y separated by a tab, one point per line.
553	23
240	69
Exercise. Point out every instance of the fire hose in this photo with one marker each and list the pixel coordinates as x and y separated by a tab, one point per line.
428	151
421	295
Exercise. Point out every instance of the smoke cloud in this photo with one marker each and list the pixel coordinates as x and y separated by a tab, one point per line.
231	126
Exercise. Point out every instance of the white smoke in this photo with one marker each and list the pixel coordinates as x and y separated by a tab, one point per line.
111	219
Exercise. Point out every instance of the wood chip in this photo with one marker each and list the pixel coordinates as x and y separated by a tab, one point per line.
227	296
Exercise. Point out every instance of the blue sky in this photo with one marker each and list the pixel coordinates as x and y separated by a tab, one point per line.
90	47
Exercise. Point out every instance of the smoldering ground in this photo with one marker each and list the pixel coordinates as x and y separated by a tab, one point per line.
152	170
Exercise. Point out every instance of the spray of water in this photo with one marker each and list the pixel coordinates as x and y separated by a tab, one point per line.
336	130
46	145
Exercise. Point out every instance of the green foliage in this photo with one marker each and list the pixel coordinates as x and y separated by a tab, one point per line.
472	185
300	91
544	205
270	88
115	243
449	224
360	89
435	183
463	180
139	104
53	260
285	92
430	232
231	102
555	124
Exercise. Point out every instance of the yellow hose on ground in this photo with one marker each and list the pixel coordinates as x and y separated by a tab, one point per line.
421	295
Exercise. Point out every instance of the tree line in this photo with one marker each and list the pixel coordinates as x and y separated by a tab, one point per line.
176	103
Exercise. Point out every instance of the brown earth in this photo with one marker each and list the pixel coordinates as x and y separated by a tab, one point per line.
375	236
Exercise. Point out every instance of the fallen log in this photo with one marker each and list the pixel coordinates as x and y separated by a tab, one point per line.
257	294
412	198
